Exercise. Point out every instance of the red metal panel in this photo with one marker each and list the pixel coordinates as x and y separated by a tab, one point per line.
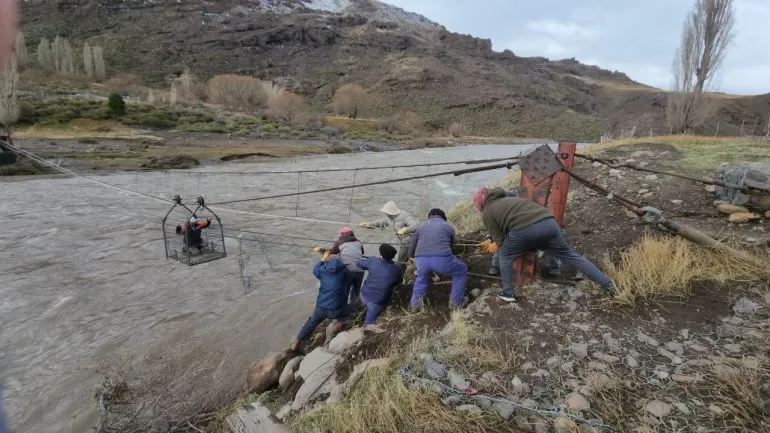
525	267
557	202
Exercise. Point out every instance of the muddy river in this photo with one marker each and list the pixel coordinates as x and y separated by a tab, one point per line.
85	281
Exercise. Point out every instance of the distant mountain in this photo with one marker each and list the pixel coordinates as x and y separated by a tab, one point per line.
408	63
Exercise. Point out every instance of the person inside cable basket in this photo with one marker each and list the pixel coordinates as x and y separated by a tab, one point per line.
192	234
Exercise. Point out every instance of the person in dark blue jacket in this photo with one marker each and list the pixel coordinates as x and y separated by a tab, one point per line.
383	276
332	301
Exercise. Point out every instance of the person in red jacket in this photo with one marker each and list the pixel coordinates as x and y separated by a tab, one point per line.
191	232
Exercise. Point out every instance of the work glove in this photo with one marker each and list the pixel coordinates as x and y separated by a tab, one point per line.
316	249
488	247
402	231
325	256
492	248
365	226
411	260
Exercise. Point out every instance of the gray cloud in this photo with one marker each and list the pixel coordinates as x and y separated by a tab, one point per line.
631	36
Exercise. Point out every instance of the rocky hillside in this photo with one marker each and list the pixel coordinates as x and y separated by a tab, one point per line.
408	63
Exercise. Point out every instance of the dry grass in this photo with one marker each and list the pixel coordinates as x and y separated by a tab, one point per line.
665	266
676	140
81	128
614	399
738	390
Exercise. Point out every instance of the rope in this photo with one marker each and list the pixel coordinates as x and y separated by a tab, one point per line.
352	194
328	170
408	377
381	182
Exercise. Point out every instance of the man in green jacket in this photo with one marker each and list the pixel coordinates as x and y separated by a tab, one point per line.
518	226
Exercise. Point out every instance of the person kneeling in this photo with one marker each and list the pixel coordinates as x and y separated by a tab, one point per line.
431	248
384	275
332	301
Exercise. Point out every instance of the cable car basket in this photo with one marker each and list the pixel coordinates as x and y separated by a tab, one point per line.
194	238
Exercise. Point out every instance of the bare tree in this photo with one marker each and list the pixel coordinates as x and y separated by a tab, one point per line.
287	106
350	99
187	87
706	35
44	56
237	91
151	99
456	129
88	61
9	109
100	70
173	94
20	49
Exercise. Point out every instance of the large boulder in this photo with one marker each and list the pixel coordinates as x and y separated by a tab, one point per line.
287	376
749	175
264	375
345	340
255	418
318	370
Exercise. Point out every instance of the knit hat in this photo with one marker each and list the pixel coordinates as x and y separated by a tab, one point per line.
437	212
387	251
480	198
346	230
390	208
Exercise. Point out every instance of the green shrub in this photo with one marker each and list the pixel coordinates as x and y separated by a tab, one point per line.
154	120
116	104
243	132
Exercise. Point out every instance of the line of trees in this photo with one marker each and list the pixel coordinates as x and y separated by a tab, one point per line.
58	56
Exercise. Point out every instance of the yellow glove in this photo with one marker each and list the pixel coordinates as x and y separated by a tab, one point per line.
484	246
411	260
365	226
492	248
325	256
402	231
316	249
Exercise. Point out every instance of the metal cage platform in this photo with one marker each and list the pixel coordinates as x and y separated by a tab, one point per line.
197	238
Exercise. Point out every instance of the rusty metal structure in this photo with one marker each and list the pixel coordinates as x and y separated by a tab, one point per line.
193	246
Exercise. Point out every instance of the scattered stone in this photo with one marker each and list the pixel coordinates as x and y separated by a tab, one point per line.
597	366
767	214
644	338
609	359
674	359
662	374
287	376
597	164
435	370
564	425
582	326
615	172
540	373
643	191
642	154
658	408
733	348
716	410
491	378
718	203
648	195
283	412
729	209
553	361
527	366
470	408
264	375
698	347
255	418
710	188
317	370
504	409
632	362
742	218
650	178
674	346
746	307
361	368
681	407
568	367
677	201
458	381
529	403
476	293
542	427
579	350
345	340
452	401
577	401
685	333
682	378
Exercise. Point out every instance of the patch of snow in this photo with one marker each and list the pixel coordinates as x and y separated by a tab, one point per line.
334	6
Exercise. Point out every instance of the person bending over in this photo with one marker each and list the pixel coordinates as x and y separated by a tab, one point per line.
350	251
384	275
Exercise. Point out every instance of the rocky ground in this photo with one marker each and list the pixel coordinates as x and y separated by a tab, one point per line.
565	358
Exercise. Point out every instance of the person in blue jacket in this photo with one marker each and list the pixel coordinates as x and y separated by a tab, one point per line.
384	275
332	300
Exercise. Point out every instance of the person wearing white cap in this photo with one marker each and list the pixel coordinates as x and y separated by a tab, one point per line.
402	222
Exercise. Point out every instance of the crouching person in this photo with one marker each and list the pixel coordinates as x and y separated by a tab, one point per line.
332	300
431	248
518	226
384	275
350	251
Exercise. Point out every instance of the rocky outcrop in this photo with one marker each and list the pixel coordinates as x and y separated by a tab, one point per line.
255	418
264	375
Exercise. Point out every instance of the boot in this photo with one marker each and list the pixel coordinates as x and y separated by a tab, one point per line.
494	270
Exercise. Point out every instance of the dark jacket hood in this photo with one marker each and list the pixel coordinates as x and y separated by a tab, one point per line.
495	194
334	266
347	237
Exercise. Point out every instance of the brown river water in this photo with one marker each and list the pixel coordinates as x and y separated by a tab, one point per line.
85	280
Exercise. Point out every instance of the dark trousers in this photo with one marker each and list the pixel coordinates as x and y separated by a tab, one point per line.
319	315
545	236
353	282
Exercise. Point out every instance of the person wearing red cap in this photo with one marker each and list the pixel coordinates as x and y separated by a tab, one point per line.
350	251
517	226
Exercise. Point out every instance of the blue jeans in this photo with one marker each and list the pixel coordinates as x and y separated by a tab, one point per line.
554	265
373	311
321	314
442	265
545	236
353	282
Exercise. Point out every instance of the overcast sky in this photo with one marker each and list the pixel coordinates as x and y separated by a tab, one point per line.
638	37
